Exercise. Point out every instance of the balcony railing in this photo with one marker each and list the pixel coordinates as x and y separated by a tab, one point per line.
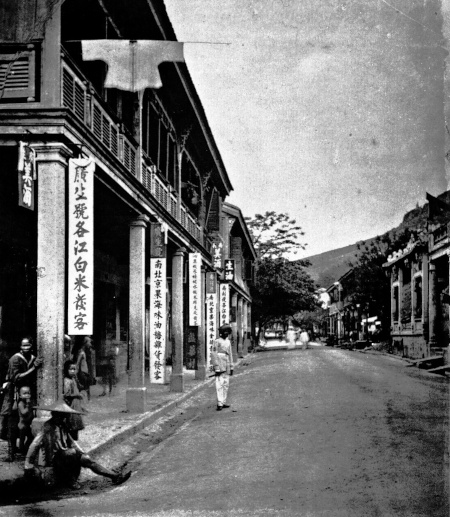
80	98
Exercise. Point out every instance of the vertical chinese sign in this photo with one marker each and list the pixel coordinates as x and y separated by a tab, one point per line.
194	289
158	305
158	319
27	174
224	304
81	247
216	252
211	315
229	270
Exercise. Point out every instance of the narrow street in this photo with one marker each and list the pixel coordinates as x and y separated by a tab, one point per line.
322	432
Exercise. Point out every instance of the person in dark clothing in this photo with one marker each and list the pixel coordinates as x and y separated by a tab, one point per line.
21	372
62	457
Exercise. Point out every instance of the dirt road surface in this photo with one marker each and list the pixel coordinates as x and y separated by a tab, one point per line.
321	432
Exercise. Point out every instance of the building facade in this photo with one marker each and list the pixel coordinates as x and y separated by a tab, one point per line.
152	183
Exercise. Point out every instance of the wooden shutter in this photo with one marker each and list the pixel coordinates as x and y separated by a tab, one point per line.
18	75
214	213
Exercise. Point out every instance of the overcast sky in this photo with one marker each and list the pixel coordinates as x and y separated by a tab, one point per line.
329	110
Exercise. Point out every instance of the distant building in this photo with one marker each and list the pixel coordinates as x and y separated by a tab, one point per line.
419	276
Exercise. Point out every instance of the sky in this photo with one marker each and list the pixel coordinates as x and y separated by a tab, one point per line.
331	111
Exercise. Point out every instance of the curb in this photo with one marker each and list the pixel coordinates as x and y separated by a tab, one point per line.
146	420
151	417
143	420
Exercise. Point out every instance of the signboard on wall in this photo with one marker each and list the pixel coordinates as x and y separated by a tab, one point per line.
80	254
195	262
26	168
157	241
216	252
211	326
211	282
224	304
229	270
158	320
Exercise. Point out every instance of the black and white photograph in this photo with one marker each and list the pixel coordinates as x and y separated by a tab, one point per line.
224	258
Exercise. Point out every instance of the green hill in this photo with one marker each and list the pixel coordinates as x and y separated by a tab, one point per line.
329	266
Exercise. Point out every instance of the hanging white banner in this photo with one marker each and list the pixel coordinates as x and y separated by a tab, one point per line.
195	262
80	256
224	304
211	326
158	320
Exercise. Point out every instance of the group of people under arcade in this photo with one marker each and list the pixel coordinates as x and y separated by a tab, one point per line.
62	457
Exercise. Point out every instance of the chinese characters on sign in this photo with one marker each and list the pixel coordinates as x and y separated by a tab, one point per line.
216	251
224	304
194	289
81	247
211	282
27	174
211	326
158	319
157	241
229	270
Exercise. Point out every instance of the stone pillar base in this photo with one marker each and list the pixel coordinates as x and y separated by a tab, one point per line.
177	382
200	373
135	398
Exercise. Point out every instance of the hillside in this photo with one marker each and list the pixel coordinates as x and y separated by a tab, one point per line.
327	267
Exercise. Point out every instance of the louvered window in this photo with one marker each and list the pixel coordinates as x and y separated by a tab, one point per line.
18	74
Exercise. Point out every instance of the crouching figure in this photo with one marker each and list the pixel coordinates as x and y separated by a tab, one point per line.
55	458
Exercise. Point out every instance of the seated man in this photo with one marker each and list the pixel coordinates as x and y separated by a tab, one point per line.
62	457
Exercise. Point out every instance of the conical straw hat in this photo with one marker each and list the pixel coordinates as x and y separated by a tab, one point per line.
59	407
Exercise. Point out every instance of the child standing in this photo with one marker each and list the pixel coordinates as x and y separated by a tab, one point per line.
26	415
73	398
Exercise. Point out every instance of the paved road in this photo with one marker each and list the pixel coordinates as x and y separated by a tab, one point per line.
322	432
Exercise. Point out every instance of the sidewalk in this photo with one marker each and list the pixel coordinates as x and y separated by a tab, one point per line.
108	422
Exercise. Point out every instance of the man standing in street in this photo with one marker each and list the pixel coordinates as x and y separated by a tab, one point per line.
222	361
304	339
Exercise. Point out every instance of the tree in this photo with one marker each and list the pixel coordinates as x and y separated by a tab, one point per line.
275	235
281	287
316	319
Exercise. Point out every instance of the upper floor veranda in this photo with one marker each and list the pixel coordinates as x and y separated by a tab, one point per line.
160	140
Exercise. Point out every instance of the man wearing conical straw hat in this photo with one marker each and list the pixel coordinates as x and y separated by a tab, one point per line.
55	458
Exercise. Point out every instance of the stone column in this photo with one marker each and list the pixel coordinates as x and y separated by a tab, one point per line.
176	379
136	391
392	299
425	297
200	373
400	295
244	326
51	268
233	323
249	324
240	344
432	305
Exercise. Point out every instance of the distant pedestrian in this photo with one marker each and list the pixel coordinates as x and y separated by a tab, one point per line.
81	356
109	377
291	338
222	361
73	398
304	339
